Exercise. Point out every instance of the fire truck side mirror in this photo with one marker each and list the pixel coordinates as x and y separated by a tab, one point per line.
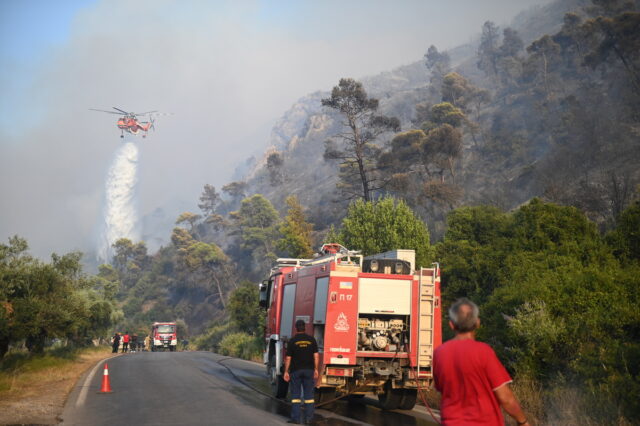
264	294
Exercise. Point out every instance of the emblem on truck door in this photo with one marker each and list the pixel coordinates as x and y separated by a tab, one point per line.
341	323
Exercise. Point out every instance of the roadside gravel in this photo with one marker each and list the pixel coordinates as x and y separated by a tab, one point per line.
41	399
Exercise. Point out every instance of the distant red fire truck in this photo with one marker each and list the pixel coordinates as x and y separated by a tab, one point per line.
377	321
164	336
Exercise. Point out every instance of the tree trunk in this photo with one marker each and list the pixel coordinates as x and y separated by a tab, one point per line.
452	170
634	77
35	344
4	346
220	292
365	183
360	159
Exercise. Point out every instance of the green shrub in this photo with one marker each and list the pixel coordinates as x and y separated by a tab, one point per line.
385	224
241	345
557	306
210	339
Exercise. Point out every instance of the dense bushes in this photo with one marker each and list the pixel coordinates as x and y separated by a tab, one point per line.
210	339
383	225
556	303
241	335
42	301
242	345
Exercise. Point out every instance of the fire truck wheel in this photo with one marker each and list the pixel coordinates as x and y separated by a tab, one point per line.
323	395
279	387
390	399
172	348
409	397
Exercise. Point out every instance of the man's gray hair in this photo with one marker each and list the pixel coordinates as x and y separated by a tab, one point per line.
464	320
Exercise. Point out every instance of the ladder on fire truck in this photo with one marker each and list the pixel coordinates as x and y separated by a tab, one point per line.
427	289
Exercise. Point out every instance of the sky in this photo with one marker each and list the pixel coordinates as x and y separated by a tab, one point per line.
225	70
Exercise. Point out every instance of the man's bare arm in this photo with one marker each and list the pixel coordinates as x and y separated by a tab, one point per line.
316	365
287	363
510	404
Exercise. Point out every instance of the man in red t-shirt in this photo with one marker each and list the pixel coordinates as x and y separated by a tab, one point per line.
125	342
473	382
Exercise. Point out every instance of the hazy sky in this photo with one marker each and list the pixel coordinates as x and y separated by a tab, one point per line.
225	69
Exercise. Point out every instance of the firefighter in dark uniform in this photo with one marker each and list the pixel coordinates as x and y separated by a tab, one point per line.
301	368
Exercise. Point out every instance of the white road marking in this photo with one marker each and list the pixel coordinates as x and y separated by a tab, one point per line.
82	397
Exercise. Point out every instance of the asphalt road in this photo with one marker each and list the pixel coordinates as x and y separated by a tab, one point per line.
198	388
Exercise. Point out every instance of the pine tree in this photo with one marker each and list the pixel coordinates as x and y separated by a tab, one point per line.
296	231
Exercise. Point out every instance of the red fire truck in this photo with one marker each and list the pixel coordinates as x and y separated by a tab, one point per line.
376	319
163	336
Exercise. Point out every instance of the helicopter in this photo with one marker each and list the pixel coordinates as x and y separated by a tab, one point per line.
128	122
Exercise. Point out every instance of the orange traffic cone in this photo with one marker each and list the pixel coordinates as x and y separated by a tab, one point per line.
106	386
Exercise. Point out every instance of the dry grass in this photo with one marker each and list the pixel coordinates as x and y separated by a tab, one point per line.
565	405
574	407
559	405
531	397
34	389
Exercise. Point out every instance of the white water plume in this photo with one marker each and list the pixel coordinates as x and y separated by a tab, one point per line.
120	213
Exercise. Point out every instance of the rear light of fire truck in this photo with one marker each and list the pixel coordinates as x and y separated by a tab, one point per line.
412	374
342	372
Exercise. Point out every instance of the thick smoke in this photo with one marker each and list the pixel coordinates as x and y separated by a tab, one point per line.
120	213
238	64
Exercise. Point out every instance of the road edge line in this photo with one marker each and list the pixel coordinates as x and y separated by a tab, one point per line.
85	387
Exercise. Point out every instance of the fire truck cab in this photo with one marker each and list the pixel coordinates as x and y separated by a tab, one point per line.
377	321
163	336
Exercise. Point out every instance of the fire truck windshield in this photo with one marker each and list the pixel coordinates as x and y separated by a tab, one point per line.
165	328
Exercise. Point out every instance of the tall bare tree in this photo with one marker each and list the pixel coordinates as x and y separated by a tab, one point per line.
488	51
362	126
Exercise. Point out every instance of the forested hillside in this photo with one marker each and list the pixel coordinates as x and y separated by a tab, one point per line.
533	114
514	162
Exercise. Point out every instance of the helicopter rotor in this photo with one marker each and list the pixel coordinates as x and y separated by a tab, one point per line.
101	110
123	112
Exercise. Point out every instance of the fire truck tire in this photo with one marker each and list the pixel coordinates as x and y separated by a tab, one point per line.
391	398
279	387
409	397
172	348
322	395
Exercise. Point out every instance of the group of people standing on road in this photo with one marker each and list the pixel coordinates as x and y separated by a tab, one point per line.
473	382
128	343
